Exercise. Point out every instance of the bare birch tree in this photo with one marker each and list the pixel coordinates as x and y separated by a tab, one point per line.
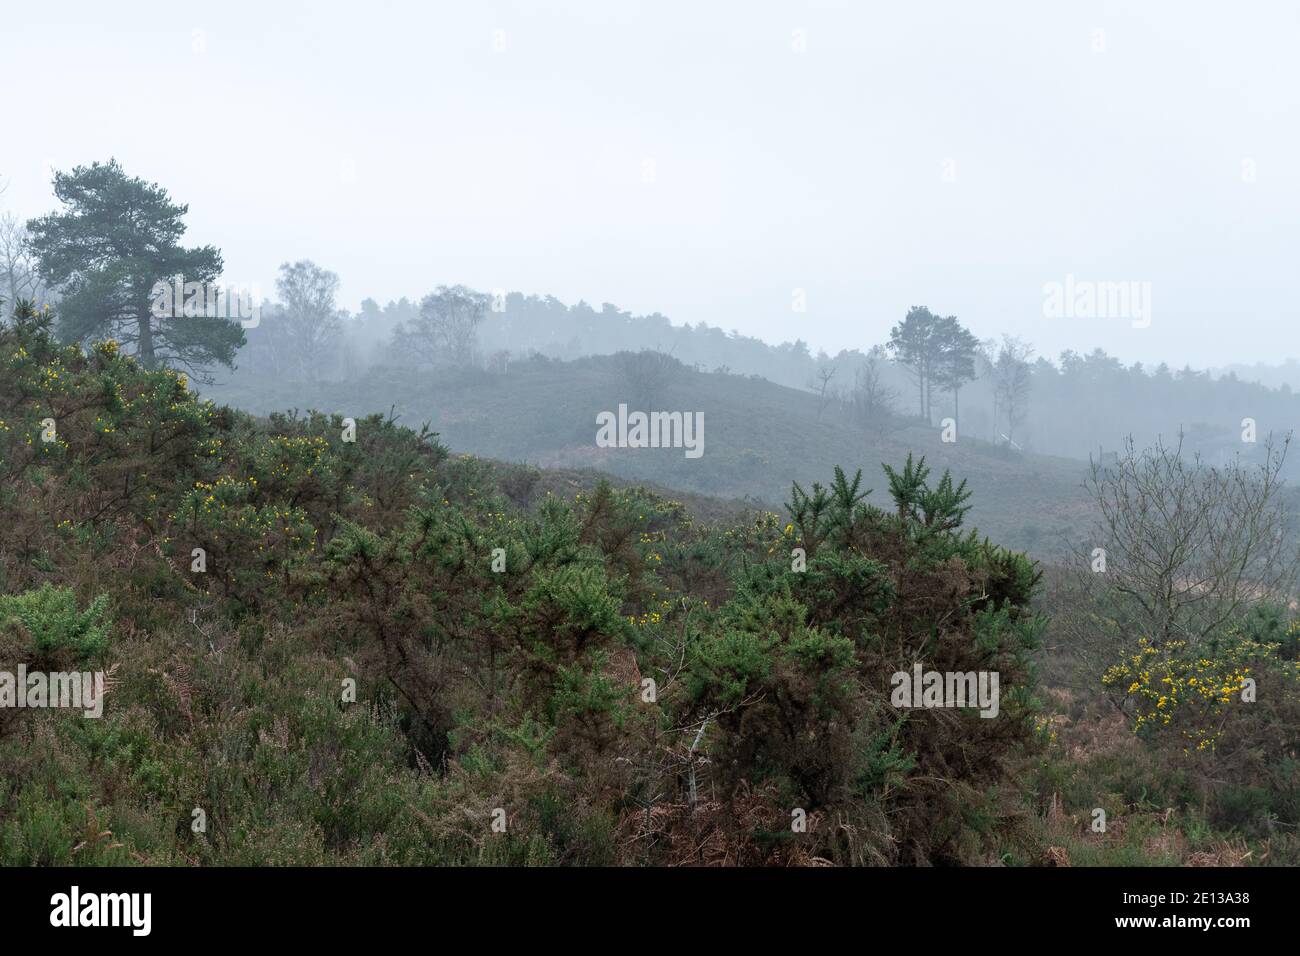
309	322
19	278
446	330
1188	545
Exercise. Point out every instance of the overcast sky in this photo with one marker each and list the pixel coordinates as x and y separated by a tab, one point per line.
687	158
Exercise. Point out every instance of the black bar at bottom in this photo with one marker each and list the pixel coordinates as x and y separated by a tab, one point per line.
333	906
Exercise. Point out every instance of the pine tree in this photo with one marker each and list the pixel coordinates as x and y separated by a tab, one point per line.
114	239
955	364
914	344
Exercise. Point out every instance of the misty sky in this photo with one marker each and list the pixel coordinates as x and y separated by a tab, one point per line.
394	143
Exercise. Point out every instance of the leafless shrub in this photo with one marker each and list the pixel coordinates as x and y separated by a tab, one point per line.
1186	546
646	376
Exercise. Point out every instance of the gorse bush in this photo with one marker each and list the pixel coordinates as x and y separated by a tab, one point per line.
1196	691
372	651
1226	715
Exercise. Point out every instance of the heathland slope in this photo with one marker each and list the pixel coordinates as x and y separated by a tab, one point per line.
337	642
758	436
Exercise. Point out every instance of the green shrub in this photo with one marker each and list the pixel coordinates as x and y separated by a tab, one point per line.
53	621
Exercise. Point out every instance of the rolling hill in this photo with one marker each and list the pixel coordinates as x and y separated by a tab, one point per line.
758	436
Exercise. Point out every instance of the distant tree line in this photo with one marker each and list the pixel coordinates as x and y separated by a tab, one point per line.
115	237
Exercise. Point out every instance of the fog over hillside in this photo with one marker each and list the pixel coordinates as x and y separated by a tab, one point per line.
1070	405
1280	375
